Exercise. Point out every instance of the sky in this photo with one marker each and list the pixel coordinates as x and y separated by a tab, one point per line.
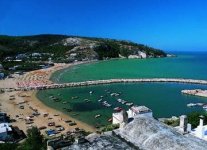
173	25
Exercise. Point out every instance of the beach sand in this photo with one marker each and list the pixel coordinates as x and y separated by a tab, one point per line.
10	102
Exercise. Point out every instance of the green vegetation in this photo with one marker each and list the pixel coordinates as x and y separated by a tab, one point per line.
47	43
193	118
32	51
34	140
8	146
108	49
109	127
172	122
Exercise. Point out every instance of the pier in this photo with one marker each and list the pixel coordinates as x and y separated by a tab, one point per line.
109	81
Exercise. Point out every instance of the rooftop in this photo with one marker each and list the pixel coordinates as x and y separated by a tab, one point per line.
98	142
148	133
142	132
4	127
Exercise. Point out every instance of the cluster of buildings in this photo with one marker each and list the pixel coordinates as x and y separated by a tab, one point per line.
123	117
139	130
200	131
27	56
8	133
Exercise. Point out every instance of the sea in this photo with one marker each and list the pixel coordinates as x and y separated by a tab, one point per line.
164	99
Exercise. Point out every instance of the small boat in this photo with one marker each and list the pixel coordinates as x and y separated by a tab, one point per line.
205	106
124	102
114	94
199	104
100	100
106	104
119	100
57	100
191	105
87	100
75	97
129	104
64	102
97	116
101	96
54	98
110	120
117	109
91	92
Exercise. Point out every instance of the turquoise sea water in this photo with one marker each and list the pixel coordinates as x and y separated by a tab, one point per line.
165	99
186	65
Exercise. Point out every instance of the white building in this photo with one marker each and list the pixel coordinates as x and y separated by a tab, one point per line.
123	116
135	110
201	130
4	131
120	117
184	126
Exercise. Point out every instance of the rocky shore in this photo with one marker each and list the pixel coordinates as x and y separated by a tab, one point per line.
196	92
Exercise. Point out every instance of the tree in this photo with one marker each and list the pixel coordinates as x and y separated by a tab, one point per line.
124	52
193	118
8	146
34	140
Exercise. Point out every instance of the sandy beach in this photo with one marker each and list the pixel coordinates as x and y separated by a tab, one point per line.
10	102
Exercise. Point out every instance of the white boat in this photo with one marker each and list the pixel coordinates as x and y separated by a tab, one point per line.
96	116
114	94
191	105
100	100
91	92
105	103
119	100
129	104
205	107
117	109
199	104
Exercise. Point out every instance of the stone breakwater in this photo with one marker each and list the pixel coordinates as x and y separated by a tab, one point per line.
109	81
196	92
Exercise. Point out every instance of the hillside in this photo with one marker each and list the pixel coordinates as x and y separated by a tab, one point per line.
65	47
25	53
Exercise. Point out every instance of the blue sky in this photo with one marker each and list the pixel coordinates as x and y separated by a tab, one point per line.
165	24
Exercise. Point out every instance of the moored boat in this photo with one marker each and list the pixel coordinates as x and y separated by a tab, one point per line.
110	120
97	116
191	105
117	109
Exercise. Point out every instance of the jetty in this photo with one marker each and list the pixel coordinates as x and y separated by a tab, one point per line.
196	92
108	81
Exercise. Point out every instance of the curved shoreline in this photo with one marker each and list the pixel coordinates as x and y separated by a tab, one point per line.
110	81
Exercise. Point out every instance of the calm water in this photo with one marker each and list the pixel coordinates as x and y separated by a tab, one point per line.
189	65
165	99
